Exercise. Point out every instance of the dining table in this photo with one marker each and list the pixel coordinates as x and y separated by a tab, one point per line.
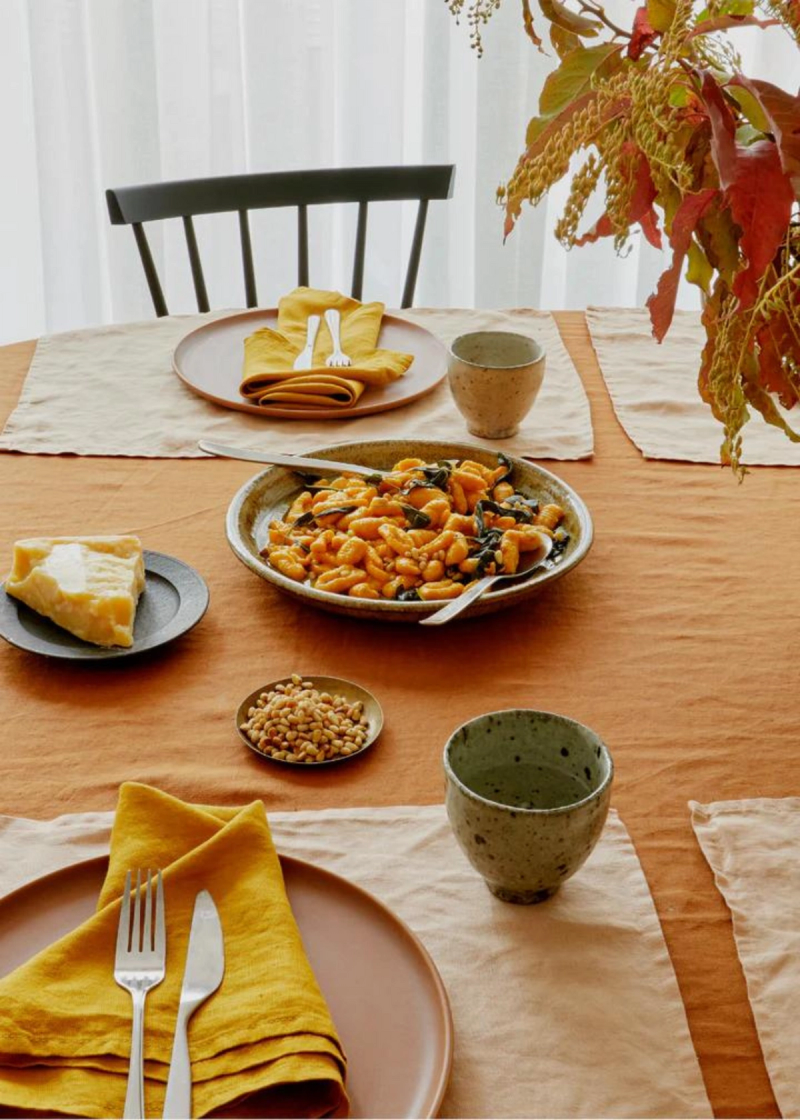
675	640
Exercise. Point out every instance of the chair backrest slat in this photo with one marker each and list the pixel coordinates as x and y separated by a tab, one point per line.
150	273
199	281
302	245
360	251
187	198
250	292
415	254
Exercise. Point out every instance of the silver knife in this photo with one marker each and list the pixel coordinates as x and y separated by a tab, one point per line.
295	462
205	967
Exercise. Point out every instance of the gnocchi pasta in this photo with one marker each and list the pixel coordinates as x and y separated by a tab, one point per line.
424	532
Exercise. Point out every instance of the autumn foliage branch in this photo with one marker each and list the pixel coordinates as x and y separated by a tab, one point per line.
689	150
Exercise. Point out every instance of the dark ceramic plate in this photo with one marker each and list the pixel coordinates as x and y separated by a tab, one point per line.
174	600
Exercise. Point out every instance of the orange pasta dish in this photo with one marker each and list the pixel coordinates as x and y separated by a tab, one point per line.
424	531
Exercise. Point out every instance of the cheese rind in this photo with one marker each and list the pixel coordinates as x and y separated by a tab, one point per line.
89	586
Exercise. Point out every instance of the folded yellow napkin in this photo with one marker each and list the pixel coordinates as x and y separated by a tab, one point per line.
65	1025
268	377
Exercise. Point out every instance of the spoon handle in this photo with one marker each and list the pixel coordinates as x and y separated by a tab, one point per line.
456	606
296	462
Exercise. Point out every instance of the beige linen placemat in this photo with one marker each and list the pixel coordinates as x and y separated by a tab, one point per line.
653	387
566	1009
112	391
753	848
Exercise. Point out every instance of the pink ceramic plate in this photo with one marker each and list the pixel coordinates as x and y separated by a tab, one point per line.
386	997
209	360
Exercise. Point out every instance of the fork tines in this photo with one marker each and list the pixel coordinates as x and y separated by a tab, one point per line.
137	937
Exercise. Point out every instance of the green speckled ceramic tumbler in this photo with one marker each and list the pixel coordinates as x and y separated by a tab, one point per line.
527	795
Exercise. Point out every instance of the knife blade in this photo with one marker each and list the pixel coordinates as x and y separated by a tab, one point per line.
205	967
295	462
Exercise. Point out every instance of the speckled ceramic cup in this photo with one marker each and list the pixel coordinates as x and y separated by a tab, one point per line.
527	796
495	377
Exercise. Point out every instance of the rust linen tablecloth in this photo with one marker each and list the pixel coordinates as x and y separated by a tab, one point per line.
753	848
654	389
667	640
112	391
569	1008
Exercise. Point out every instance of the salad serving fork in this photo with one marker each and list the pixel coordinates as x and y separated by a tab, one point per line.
337	358
305	359
139	966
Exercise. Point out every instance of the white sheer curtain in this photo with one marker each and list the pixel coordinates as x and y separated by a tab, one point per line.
98	93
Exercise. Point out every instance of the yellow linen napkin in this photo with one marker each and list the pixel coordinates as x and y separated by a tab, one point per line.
65	1024
268	377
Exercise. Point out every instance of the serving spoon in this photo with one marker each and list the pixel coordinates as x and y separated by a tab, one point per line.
295	462
529	562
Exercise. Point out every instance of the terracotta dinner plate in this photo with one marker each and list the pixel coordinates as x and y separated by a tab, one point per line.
209	360
386	997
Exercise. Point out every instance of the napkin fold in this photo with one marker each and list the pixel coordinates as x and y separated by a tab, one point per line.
268	377
65	1025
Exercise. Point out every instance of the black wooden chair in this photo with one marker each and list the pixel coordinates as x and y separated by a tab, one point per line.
186	198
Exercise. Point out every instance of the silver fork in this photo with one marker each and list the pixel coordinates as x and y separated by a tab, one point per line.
139	966
305	358
338	357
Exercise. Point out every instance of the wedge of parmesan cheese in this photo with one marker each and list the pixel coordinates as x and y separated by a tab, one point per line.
90	586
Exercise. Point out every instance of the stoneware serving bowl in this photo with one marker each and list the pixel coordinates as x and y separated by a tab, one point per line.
527	795
268	495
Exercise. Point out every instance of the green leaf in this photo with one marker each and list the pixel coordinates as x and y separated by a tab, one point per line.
574	76
661	13
727	8
679	95
728	23
746	134
563	17
750	106
536	126
550	123
698	270
563	41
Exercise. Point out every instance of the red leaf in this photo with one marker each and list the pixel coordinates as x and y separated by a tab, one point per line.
761	199
723	131
644	194
601	228
662	303
643	34
641	209
649	224
782	111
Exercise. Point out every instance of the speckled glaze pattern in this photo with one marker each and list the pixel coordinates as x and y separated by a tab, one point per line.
268	494
496	767
495	377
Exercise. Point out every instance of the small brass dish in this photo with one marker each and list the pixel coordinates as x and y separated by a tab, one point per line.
334	686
